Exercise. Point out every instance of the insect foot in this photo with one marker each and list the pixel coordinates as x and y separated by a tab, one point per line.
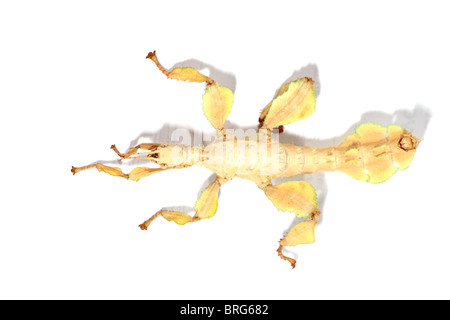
282	256
145	225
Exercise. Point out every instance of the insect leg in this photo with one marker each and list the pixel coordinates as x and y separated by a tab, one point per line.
298	197
217	100
205	207
134	150
135	174
183	74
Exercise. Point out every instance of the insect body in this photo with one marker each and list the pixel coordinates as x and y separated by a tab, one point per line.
373	154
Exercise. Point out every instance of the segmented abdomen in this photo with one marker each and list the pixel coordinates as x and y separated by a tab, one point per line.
373	154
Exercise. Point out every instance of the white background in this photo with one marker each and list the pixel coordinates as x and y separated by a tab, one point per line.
74	80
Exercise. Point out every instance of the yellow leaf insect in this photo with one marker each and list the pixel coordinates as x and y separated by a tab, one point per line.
373	154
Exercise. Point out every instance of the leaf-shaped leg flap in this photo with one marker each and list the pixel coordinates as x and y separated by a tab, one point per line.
298	197
295	101
264	112
206	205
301	233
217	102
